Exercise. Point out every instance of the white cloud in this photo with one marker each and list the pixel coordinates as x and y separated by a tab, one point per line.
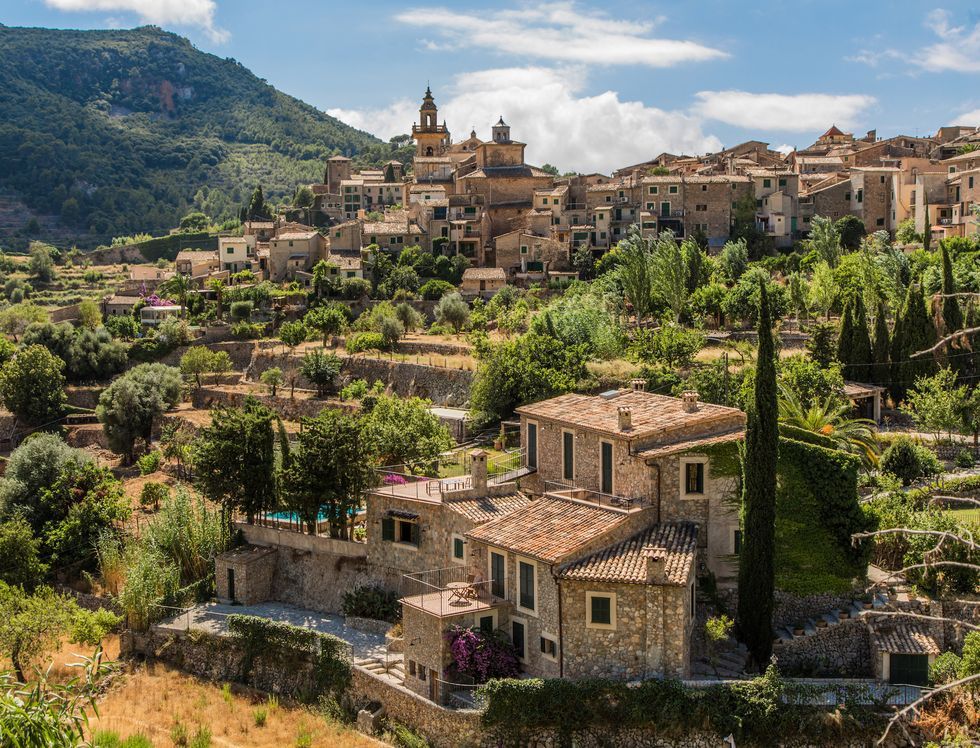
789	113
546	109
557	31
958	47
785	149
158	12
968	119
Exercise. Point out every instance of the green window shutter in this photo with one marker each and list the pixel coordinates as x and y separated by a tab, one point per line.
387	528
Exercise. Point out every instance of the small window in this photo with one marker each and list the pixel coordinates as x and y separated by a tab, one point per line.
880	222
523	249
459	548
654	190
970	182
600	610
555	201
694	477
766	184
411	667
736	542
487	624
549	647
847	196
782	182
704	188
860	197
672	189
422	672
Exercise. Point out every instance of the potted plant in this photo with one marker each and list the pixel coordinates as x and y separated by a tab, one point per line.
798	629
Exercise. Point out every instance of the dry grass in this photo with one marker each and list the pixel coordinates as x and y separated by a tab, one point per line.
154	698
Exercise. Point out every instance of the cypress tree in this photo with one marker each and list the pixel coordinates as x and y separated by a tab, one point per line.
914	332
845	337
861	352
879	372
952	314
756	575
927	226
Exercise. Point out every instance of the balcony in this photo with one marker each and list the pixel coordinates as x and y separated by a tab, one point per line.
445	593
566	490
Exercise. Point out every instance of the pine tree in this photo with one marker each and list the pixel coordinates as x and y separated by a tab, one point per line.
756	577
914	332
882	342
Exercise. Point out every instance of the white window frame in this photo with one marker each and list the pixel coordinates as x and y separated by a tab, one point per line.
611	626
518	560
552	638
491	613
574	456
452	548
684	462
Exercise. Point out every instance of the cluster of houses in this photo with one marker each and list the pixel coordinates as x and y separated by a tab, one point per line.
481	199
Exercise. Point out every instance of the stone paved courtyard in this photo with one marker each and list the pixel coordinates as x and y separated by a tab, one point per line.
213	618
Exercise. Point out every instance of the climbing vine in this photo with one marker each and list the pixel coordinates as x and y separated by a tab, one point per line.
291	646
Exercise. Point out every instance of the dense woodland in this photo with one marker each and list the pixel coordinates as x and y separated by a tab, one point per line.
121	132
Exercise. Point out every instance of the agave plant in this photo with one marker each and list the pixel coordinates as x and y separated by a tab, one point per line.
832	419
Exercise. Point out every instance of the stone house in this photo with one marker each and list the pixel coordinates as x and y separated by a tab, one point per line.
522	252
483	282
595	577
196	262
294	251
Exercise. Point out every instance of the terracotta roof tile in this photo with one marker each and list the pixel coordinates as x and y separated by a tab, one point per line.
548	529
651	414
675	543
903	636
484	274
488	508
691	444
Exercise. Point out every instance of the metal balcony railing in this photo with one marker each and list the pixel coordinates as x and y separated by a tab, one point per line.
568	490
448	592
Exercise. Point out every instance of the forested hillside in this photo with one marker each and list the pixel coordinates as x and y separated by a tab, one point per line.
109	133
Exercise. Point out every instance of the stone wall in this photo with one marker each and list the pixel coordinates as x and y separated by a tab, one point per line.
84	396
440	385
843	650
289	409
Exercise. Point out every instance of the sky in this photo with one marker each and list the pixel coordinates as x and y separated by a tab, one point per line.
589	86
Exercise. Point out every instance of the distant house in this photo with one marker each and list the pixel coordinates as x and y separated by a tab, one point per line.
151	316
197	262
119	305
483	282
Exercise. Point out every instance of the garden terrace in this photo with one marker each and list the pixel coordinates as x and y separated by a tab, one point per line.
568	492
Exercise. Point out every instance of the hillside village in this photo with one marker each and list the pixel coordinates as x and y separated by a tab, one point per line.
468	452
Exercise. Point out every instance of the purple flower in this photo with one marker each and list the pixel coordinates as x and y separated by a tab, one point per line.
482	655
392	479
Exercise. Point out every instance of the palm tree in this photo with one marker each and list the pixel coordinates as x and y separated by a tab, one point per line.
218	286
177	285
832	420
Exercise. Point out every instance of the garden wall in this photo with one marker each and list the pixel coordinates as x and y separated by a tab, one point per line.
843	650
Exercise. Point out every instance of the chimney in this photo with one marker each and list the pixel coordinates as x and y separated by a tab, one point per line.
638	385
690	401
625	418
478	469
656	568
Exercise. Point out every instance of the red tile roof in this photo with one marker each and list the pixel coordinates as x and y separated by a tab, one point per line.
691	444
548	529
675	543
898	635
651	414
488	508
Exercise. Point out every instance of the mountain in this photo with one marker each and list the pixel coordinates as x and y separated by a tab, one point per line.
111	133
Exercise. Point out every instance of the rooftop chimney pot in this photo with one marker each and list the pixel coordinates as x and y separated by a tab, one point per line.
625	418
638	385
690	401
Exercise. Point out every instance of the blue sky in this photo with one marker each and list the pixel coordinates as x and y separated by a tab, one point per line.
590	86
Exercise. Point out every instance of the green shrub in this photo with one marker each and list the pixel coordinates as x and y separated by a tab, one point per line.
202	738
354	288
241	310
150	462
943	670
372	601
964	458
909	461
154	494
247	331
359	342
355	390
260	715
970	663
106	739
434	289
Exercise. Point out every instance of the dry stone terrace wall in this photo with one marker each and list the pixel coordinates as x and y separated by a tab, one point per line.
843	650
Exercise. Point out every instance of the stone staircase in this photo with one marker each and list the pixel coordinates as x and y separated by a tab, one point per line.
394	671
728	663
831	618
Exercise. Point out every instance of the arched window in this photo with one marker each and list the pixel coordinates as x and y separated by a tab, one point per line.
428	151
